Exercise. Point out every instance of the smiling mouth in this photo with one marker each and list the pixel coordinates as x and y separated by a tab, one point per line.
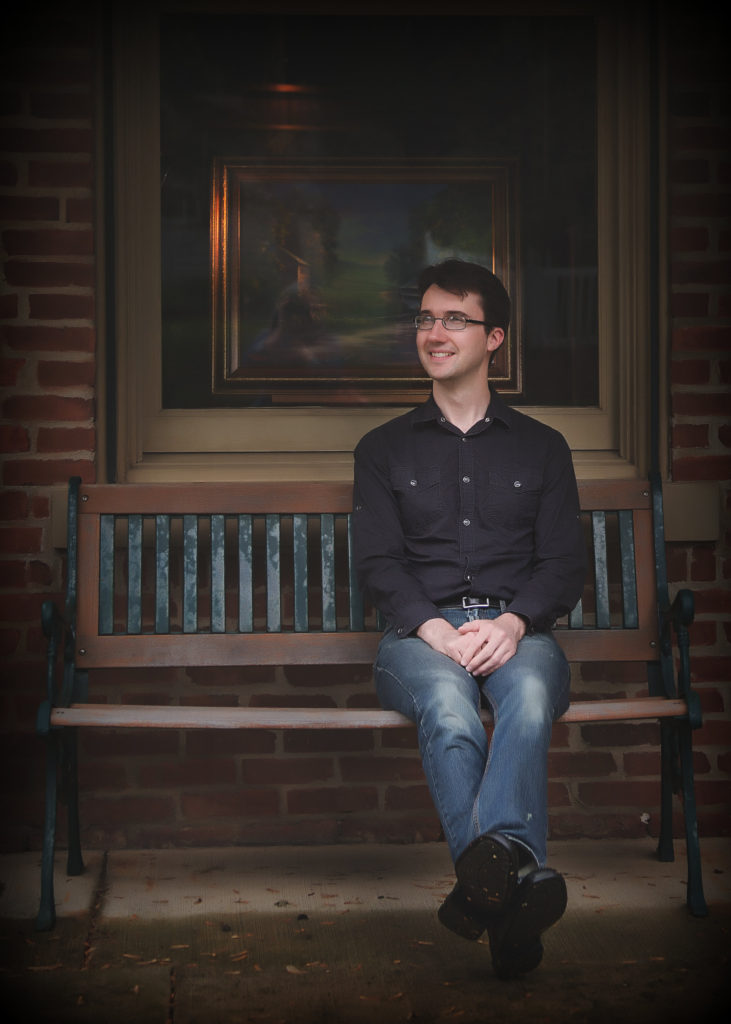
441	355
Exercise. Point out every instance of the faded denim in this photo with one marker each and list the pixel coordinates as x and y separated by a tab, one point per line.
479	787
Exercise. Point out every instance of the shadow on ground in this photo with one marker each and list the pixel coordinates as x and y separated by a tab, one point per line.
350	967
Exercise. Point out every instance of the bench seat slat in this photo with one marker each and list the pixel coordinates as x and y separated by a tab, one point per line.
260	497
190	573
576	615
630	615
162	574
355	597
218	574
599	532
327	550
301	579
134	572
106	574
274	603
150	716
317	648
246	593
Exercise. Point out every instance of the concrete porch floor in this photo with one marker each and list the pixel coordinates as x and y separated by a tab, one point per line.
349	934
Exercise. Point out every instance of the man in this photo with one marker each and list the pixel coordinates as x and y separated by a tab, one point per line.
467	538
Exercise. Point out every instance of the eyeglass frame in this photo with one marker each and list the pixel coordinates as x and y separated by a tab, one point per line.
443	321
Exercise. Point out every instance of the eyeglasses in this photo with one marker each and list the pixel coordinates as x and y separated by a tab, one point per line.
451	322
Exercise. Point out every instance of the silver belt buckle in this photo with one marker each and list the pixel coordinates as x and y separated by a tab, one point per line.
470	602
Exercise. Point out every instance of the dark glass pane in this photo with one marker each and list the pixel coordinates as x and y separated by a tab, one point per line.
323	88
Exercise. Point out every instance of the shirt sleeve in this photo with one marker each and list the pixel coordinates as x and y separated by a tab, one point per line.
379	547
558	570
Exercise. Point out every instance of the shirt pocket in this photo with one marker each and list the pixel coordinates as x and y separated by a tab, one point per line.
510	499
418	494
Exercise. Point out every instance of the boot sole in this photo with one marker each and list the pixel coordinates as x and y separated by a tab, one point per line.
487	872
453	914
515	942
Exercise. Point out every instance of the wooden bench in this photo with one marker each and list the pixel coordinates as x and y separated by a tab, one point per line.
279	589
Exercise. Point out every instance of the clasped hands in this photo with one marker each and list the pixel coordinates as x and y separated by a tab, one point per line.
479	646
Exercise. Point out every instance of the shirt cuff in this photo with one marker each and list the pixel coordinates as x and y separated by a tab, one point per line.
411	618
524	617
533	622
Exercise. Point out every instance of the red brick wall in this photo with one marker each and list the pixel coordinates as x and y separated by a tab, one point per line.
699	166
47	388
147	789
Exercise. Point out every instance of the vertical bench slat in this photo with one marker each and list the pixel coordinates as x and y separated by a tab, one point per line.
246	595
601	580
299	542
355	597
218	574
274	601
106	574
576	616
134	574
190	573
327	551
162	574
630	613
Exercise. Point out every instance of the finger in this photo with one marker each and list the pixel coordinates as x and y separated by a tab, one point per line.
494	657
481	655
471	626
472	649
495	649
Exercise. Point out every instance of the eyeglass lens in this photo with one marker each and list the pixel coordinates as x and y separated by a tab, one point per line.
453	322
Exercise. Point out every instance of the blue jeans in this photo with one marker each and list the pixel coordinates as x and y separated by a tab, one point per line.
479	787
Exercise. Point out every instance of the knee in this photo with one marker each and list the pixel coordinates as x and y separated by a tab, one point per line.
530	703
534	684
536	702
450	712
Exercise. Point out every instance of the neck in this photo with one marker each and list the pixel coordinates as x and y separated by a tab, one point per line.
462	407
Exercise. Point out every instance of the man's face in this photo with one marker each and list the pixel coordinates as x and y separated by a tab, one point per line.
455	355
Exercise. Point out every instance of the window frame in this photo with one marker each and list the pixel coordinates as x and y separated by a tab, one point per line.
611	439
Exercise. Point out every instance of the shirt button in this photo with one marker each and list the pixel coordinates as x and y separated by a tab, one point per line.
465	522
465	479
413	483
442	419
487	419
517	483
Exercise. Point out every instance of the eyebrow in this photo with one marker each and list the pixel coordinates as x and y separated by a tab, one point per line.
447	312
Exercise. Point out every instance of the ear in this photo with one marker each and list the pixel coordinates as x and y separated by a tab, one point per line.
495	339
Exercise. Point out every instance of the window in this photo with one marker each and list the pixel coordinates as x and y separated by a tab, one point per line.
556	97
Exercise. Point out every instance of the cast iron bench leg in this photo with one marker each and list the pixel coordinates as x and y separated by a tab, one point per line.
695	896
47	913
665	851
75	862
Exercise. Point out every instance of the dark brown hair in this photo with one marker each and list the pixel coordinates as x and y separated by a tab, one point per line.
459	277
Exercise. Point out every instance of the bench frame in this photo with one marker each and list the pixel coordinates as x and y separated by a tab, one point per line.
87	635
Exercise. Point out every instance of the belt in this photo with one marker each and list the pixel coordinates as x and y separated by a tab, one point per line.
485	601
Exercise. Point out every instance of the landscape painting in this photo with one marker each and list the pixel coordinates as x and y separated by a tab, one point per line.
314	272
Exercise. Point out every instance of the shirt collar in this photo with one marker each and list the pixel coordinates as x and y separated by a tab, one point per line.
498	409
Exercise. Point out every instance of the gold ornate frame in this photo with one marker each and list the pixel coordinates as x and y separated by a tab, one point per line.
313	270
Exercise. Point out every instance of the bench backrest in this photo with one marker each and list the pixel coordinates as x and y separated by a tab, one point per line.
261	573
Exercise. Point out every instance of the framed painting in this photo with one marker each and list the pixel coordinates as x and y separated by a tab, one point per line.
314	269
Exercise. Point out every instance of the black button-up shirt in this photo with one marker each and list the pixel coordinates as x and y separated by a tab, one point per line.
439	514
